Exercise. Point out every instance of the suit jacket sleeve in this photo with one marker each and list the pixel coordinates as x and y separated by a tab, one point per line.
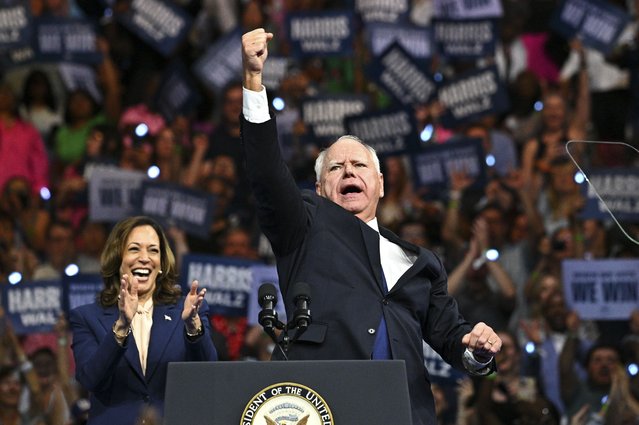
283	216
96	354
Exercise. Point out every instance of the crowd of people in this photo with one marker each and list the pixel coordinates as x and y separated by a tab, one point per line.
552	366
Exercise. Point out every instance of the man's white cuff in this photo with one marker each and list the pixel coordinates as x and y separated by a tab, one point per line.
473	366
255	105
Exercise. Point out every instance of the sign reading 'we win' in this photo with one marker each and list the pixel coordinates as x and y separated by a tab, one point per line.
602	289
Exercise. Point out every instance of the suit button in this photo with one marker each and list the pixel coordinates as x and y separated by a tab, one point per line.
385	301
147	398
371	331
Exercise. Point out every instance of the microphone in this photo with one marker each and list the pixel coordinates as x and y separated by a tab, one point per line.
267	298
302	315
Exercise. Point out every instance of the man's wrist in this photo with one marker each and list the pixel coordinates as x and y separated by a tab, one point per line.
252	81
474	366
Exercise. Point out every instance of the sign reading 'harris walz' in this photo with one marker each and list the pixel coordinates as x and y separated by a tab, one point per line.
597	23
617	188
323	34
391	132
402	77
473	95
160	23
15	24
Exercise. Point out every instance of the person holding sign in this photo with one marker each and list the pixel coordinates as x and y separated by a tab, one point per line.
373	294
123	342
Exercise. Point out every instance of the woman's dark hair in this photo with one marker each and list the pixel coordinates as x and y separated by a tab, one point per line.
38	76
166	289
9	370
95	107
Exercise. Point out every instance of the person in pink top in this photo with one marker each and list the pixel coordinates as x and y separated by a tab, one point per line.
22	152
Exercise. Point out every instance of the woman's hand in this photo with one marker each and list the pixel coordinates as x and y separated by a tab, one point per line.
192	304
127	300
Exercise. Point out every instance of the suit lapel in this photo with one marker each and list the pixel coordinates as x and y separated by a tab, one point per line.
131	354
166	319
371	241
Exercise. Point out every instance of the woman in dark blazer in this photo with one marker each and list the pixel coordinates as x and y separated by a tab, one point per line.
124	341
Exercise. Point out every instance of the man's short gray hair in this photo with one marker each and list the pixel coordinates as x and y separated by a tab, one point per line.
319	162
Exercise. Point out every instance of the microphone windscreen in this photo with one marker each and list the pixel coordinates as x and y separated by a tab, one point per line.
266	291
302	289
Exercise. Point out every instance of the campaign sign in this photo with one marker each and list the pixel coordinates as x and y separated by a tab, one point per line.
467	9
392	11
221	63
17	56
113	193
465	39
32	306
228	282
159	23
601	289
275	69
402	77
619	190
79	290
597	23
433	166
471	96
413	39
76	76
176	93
320	34
66	39
15	24
325	114
173	205
392	132
438	369
265	274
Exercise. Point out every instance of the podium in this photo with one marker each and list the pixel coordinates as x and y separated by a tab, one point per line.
342	392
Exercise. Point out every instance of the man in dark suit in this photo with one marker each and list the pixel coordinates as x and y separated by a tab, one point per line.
373	295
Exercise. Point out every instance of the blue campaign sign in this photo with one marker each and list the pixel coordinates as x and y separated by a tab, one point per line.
32	306
275	70
597	23
79	290
471	96
618	188
162	24
433	166
320	34
601	289
113	193
467	9
174	205
465	39
66	39
176	93
325	114
413	39
15	24
391	11
222	62
17	56
228	282
391	132
402	77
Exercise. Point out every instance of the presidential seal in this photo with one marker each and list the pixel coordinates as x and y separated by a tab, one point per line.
287	403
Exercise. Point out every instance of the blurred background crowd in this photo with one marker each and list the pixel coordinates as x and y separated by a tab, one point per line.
554	366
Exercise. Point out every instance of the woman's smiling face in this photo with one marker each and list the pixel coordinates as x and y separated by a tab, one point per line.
141	259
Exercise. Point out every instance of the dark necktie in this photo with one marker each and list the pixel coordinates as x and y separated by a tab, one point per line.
381	348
